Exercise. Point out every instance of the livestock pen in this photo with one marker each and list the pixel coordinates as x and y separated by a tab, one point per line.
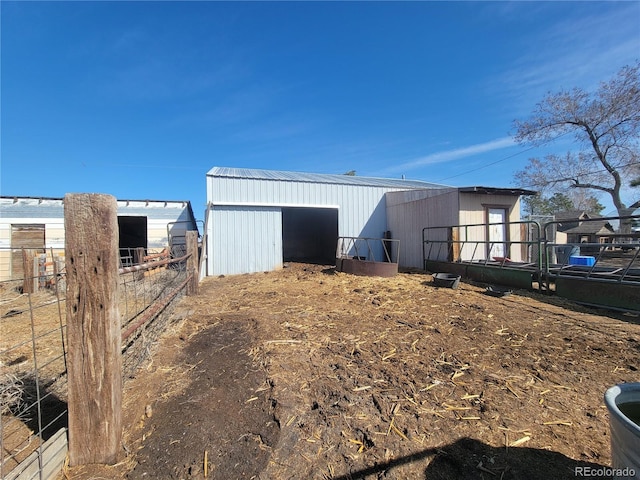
532	256
35	347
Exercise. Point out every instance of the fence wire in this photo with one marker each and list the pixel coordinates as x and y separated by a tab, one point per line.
33	385
147	291
33	348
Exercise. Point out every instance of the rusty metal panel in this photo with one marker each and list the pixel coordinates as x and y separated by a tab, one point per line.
366	268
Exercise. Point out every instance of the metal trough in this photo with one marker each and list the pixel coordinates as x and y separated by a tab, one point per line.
365	256
366	268
447	280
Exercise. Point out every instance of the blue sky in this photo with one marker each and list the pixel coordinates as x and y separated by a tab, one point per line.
141	99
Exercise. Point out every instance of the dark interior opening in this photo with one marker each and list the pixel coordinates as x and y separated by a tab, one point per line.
309	235
133	234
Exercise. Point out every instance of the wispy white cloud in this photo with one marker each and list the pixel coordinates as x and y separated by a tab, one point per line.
579	49
453	154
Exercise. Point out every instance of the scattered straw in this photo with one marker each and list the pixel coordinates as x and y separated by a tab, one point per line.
360	389
559	422
520	441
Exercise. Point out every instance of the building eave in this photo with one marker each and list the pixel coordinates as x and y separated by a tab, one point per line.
496	191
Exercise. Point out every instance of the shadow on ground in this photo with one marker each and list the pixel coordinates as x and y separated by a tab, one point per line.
472	459
45	412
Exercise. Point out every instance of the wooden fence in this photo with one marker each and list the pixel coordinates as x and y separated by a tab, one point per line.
104	321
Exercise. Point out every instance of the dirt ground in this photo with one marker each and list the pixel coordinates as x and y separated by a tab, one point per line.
308	373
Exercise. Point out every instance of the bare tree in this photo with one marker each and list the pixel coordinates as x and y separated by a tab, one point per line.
606	128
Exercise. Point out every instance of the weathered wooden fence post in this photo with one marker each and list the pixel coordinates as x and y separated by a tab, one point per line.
27	272
192	262
93	329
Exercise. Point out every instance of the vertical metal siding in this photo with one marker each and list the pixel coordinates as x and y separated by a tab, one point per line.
244	240
361	212
409	212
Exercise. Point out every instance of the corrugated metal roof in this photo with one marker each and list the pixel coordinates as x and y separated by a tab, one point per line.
279	175
16	198
50	207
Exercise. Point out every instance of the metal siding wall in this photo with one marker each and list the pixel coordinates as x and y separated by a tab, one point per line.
156	233
244	240
361	212
409	212
51	214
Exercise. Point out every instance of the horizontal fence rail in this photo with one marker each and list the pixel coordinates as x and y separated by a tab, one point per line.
146	289
511	242
369	249
614	259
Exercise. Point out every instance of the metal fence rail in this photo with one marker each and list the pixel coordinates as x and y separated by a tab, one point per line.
615	259
146	291
473	243
470	251
603	273
367	248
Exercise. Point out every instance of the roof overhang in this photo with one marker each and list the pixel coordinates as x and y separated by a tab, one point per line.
496	191
15	198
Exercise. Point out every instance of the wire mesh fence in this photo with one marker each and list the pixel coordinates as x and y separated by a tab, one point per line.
33	345
147	290
32	354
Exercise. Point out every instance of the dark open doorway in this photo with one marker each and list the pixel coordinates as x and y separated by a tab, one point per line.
133	234
309	235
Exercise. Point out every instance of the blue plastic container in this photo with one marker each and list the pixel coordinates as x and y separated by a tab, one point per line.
564	252
582	260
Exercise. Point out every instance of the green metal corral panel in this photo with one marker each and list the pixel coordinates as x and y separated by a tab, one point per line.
594	292
501	276
435	266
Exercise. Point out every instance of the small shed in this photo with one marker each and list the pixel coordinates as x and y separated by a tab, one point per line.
492	210
37	223
259	219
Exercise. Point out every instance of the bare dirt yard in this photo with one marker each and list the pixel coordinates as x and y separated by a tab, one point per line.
306	373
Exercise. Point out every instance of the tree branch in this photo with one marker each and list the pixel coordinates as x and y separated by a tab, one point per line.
577	184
